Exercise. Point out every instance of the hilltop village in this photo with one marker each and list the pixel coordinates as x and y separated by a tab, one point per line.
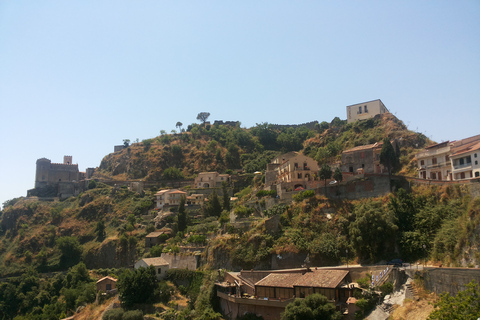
232	223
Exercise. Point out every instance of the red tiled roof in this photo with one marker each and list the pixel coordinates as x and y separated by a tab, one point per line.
279	280
467	149
321	278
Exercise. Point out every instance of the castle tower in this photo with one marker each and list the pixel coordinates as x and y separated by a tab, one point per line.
67	160
42	172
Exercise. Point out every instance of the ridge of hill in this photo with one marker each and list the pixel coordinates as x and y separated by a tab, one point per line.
222	148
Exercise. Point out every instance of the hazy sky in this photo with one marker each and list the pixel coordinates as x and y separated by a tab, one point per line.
78	77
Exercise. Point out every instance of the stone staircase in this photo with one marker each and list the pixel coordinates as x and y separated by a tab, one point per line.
410	291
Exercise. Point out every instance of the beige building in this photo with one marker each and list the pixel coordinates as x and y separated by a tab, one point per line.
161	266
195	199
211	180
291	169
168	197
365	110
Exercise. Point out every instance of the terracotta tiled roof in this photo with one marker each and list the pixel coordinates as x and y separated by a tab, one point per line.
159	193
466	150
155	261
359	148
279	280
107	277
321	278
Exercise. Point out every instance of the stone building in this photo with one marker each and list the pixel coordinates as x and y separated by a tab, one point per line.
61	180
211	180
168	197
50	173
161	266
365	110
365	159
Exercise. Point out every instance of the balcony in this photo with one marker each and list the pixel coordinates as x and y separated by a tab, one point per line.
462	167
431	153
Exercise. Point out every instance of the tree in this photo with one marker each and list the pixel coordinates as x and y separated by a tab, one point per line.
136	286
126	143
182	215
226	196
325	173
212	207
203	116
100	230
172	174
337	175
314	306
179	126
465	305
71	251
373	230
389	158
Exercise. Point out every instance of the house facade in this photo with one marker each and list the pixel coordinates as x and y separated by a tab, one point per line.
153	239
211	180
450	160
465	163
161	266
291	170
168	197
106	284
365	110
434	162
364	159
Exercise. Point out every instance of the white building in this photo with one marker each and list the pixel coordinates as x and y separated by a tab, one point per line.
456	160
434	162
169	197
365	110
465	162
161	266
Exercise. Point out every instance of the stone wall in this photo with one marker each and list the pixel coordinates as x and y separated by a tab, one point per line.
451	280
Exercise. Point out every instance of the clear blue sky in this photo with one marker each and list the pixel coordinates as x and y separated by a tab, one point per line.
78	77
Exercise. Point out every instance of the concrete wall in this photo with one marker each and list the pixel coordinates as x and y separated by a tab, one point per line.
451	280
364	186
177	261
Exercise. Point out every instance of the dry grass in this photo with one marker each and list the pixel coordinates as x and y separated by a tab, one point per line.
93	311
417	309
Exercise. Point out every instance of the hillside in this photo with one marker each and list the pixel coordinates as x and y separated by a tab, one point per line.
221	148
104	228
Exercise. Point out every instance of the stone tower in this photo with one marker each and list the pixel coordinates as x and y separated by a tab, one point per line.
67	160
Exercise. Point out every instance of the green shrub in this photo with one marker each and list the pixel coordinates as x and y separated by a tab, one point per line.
133	315
113	314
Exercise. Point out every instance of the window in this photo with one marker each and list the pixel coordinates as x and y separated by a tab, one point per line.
447	158
295	165
476	162
462	175
434	161
360	110
422	162
469	159
477	174
462	162
366	109
159	270
475	155
108	286
299	176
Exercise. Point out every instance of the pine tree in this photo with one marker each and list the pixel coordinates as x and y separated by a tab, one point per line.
182	215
